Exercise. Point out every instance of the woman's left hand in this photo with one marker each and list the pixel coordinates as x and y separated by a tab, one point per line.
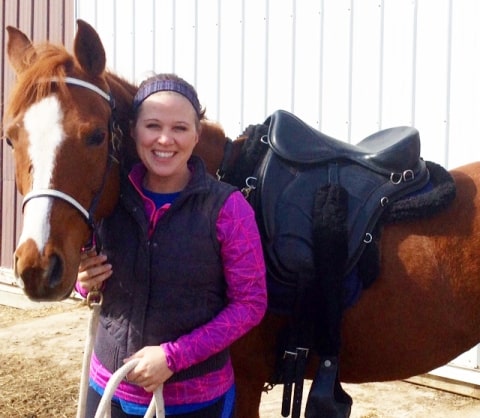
151	370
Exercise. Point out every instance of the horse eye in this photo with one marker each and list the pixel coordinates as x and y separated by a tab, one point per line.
97	137
9	142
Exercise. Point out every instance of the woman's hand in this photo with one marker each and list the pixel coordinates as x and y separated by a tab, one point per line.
93	270
151	370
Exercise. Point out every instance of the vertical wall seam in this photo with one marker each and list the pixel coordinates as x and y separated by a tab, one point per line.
2	144
195	46
32	23
448	81
174	16
242	67
115	49
381	64
267	41
219	56
134	48
320	81
154	40
47	20
350	72
414	61
294	59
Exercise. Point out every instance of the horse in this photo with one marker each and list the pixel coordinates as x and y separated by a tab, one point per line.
64	122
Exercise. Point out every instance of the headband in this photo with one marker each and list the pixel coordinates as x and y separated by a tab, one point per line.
150	87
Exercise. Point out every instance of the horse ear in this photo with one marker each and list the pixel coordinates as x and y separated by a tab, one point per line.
18	44
89	50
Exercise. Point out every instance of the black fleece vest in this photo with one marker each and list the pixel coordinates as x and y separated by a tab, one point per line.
166	285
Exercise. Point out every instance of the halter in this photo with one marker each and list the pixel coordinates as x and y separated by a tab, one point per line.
88	215
227	153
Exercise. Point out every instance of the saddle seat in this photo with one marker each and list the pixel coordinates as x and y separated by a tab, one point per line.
387	151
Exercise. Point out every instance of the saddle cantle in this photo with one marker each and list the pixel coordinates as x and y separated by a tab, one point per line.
300	160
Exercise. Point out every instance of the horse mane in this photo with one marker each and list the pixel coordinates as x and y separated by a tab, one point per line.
33	83
123	92
251	152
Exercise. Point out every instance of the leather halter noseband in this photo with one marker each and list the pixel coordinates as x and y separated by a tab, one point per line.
87	214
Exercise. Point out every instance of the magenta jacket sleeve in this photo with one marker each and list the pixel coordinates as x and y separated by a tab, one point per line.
80	290
244	270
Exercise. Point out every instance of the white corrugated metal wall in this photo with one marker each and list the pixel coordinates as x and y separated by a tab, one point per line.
346	67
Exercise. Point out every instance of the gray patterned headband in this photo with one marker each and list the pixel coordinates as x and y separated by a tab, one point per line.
150	87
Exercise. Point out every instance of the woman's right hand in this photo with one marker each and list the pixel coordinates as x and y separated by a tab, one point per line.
93	270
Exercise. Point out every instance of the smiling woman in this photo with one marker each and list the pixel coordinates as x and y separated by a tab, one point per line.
183	258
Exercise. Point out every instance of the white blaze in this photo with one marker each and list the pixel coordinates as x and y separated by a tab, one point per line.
43	123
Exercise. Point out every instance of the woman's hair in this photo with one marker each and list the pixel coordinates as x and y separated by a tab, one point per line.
168	82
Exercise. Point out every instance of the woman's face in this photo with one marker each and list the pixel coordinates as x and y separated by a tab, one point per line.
165	134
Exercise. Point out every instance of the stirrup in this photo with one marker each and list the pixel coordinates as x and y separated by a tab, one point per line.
327	399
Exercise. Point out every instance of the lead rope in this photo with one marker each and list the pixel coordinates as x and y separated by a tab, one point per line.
156	407
94	302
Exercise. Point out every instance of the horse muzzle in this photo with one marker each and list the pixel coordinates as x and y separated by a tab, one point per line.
41	275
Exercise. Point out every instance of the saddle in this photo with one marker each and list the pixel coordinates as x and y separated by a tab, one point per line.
300	160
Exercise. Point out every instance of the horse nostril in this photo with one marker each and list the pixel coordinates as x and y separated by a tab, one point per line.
55	271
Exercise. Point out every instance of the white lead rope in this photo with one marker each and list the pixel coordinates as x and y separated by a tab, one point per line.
156	407
87	356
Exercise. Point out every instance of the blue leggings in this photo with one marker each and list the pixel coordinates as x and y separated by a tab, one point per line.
219	409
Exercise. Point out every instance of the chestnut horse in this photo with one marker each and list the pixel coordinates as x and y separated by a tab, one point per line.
62	122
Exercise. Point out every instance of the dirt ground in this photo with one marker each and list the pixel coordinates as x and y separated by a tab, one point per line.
41	354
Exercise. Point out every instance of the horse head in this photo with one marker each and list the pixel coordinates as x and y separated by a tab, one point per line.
59	123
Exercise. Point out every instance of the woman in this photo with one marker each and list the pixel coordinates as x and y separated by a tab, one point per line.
185	266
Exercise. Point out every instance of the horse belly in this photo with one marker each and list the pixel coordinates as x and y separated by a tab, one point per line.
407	323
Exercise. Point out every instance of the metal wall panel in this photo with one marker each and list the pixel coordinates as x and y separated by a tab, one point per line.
41	20
348	68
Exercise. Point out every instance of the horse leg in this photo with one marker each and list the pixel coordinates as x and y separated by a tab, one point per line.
253	359
249	394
